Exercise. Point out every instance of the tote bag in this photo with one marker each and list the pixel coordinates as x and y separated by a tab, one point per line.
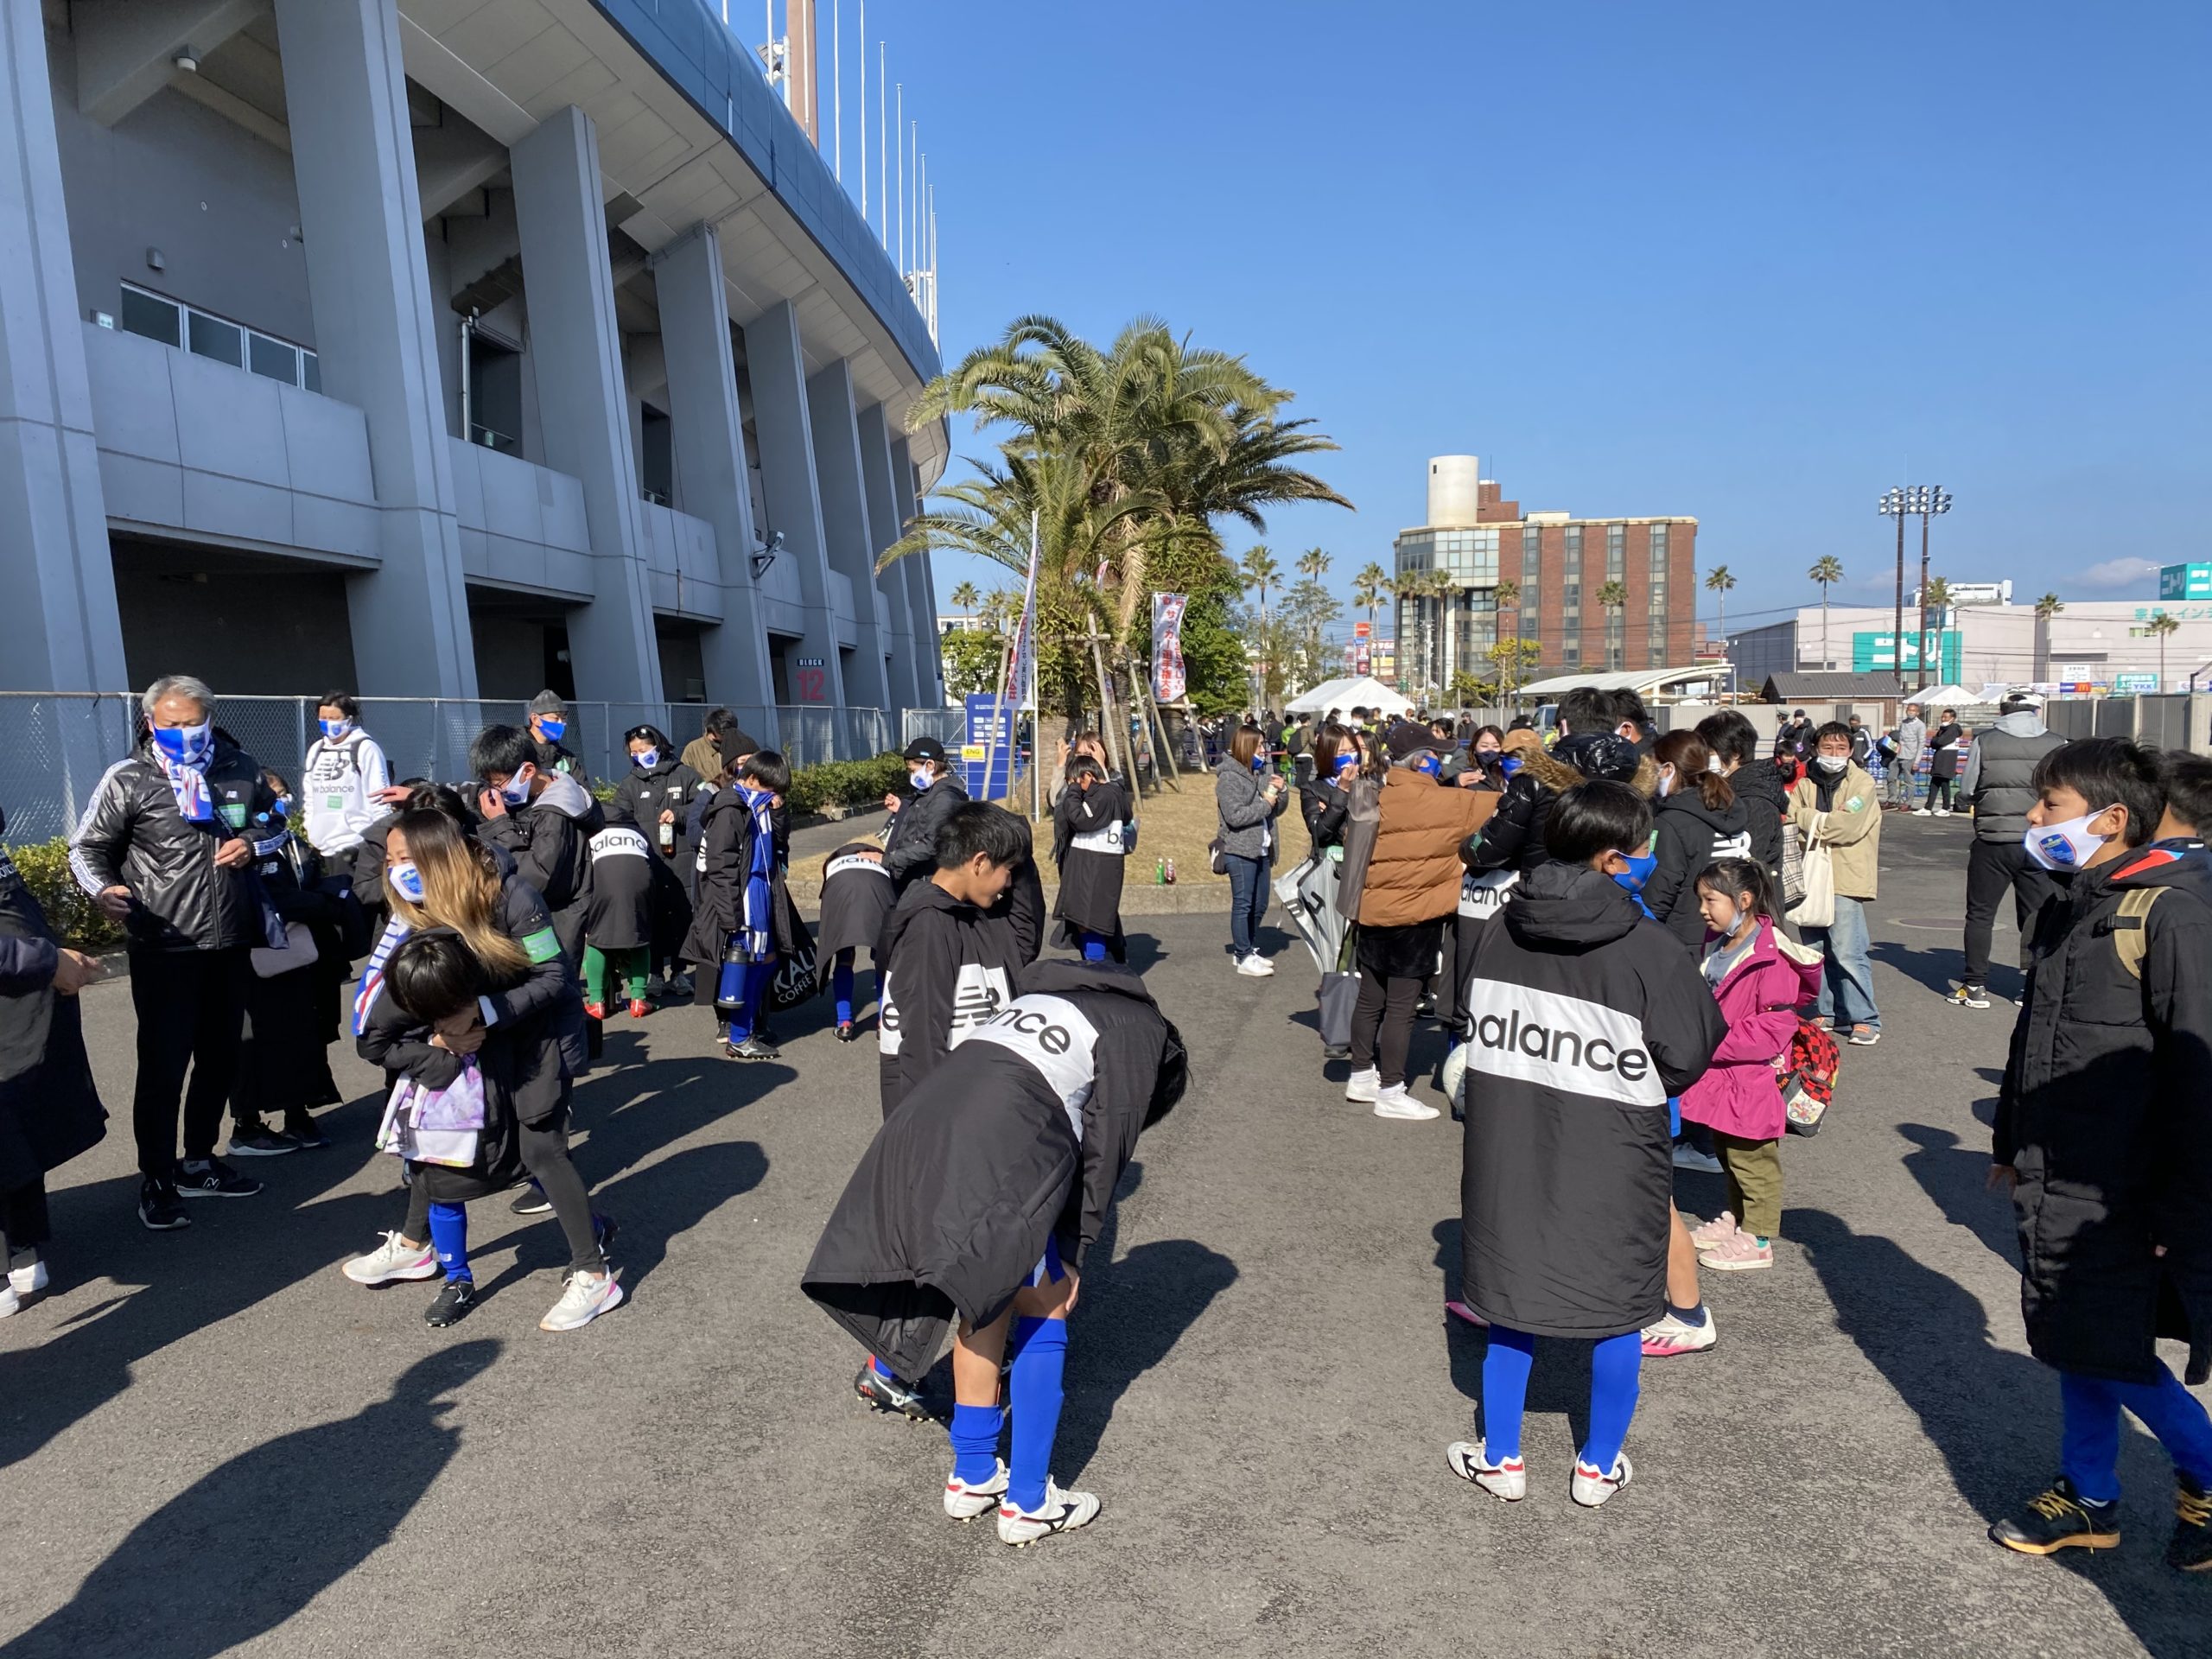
1817	907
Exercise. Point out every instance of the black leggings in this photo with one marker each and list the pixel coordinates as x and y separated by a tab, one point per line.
1383	1025
545	1155
1934	785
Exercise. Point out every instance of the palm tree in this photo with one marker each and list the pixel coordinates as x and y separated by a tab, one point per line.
1826	570
1506	596
2050	606
1368	586
1260	570
1613	597
964	598
2160	626
1935	601
1437	587
1718	581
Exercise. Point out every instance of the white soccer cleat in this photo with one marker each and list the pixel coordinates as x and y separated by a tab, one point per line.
1059	1512
1507	1478
965	1500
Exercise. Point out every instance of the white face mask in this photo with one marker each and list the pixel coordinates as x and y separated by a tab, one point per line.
2065	846
1831	763
1666	781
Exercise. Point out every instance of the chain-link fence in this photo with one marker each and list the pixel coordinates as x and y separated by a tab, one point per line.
54	746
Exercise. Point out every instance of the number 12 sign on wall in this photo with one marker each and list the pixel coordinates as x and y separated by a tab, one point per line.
813	679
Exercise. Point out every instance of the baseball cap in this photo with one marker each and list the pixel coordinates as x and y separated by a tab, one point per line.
924	748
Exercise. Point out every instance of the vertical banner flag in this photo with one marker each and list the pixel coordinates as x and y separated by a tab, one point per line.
1020	688
1168	679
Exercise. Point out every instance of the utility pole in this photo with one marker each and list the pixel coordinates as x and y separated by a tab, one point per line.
1894	506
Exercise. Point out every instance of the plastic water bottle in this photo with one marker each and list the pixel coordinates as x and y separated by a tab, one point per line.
1171	872
1159	871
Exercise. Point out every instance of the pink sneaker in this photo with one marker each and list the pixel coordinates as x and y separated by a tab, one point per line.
1459	1310
1709	1236
1738	1253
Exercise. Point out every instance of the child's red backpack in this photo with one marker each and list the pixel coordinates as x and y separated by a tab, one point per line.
1808	1075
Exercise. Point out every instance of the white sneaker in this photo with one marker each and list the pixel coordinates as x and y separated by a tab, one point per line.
1592	1486
393	1259
1255	966
1942	811
1508	1479
1395	1101
26	1273
1365	1087
1686	1156
1671	1336
1059	1512
965	1500
584	1297
1921	812
9	1302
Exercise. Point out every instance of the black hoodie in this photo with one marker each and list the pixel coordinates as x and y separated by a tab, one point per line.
1691	834
1760	786
945	969
1019	1138
1582	1019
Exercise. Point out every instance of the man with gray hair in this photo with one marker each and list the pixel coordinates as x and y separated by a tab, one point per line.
163	848
1911	738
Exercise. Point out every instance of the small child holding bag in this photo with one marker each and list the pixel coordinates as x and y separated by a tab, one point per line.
1759	976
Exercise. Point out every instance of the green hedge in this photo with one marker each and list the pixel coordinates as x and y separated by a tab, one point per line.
68	907
845	783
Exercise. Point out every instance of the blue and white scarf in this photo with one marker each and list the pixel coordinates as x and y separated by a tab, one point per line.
189	784
758	918
372	976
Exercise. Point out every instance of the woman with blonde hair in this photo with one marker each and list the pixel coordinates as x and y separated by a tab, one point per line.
469	993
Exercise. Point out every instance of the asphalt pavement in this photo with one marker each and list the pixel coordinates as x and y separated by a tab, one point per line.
212	1442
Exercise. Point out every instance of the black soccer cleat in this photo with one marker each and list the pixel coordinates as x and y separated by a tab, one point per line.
882	1393
2189	1550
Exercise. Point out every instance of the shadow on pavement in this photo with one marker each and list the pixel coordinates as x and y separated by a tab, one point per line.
1956	1177
1993	1415
1937	969
247	1545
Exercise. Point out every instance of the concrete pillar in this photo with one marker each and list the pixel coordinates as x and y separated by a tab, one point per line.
886	523
58	631
777	370
834	414
354	161
708	434
583	404
921	586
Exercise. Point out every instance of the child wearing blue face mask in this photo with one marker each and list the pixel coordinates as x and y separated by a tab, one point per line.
1582	1021
734	927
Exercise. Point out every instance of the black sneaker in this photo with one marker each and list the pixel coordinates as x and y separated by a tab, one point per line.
846	1033
1335	1051
2058	1519
1969	996
158	1207
882	1393
604	1228
753	1048
300	1129
531	1201
2191	1547
211	1178
260	1143
452	1304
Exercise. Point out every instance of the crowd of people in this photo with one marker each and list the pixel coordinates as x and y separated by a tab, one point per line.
1641	948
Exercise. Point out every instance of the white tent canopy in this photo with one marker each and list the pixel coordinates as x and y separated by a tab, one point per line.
1360	691
1945	696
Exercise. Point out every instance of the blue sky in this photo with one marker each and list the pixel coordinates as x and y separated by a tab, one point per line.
1751	263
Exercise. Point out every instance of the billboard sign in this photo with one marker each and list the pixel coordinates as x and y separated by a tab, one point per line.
2185	582
1873	652
2135	684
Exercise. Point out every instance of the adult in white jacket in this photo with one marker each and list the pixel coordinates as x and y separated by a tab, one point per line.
346	772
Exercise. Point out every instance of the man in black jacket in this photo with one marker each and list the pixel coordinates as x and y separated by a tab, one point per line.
546	820
2000	785
2104	1138
162	846
978	1202
911	852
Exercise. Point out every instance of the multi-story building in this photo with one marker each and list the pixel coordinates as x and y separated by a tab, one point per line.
1562	570
447	348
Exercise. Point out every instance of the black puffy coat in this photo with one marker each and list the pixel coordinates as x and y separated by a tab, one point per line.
2106	1114
1763	790
1323	805
551	840
50	1108
1691	834
645	792
133	835
952	1203
910	853
1513	837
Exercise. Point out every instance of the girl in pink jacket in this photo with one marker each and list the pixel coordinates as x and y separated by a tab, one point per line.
1759	976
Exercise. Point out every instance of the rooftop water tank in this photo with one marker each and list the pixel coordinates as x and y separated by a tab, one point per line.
1454	491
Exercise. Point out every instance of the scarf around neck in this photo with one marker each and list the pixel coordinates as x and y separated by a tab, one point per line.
758	920
189	784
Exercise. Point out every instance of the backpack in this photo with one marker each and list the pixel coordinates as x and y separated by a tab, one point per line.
2131	928
1808	1073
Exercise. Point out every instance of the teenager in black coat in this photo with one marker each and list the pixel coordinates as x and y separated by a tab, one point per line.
1089	845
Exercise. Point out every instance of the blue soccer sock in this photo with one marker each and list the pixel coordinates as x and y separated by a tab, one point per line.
1094	946
1505	1390
840	986
753	988
1614	1367
449	1239
881	1369
1040	1352
976	1442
